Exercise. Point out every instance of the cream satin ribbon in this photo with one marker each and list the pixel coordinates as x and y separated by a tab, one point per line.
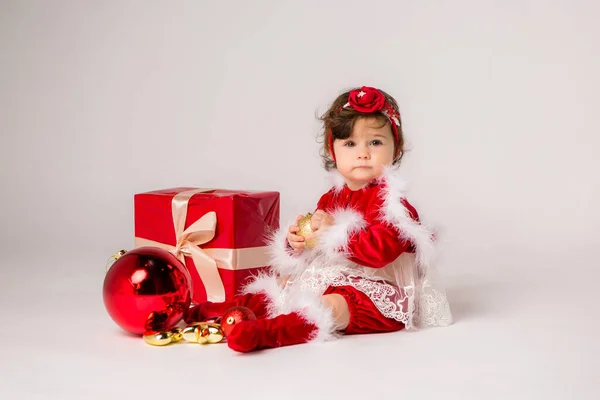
207	261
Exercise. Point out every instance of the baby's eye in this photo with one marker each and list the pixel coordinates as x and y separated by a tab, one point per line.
376	142
349	143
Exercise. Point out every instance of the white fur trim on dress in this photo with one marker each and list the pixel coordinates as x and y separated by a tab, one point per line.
395	213
313	310
336	180
281	259
267	284
333	241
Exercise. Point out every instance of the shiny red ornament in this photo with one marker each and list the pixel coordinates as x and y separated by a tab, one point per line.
235	315
147	289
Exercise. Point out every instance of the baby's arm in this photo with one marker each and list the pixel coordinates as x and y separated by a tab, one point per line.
377	245
380	243
368	241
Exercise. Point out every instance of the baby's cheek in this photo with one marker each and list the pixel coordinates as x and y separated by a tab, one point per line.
379	169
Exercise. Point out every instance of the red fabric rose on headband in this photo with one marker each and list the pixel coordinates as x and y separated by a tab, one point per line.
366	100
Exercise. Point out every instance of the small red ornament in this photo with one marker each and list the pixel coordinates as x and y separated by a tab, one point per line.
235	315
147	289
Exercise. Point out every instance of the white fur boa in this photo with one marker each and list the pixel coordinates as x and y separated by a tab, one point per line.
396	214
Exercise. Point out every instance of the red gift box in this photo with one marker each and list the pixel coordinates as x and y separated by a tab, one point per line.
220	235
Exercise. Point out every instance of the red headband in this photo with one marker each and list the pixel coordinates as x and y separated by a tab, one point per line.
369	100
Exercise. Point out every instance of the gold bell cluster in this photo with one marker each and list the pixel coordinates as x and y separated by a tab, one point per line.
198	332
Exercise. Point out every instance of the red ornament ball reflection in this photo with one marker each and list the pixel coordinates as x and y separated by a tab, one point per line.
147	289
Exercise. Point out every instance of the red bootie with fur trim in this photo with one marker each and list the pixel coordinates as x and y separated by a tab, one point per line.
284	330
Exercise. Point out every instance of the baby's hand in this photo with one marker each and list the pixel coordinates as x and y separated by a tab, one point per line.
297	242
321	220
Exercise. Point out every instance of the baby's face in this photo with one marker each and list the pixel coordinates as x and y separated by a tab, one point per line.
365	154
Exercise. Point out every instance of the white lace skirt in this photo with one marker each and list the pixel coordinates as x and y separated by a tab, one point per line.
404	298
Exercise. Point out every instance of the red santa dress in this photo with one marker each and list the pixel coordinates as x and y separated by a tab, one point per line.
378	255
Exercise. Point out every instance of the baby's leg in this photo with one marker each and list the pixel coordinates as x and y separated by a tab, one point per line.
362	315
352	312
311	321
339	308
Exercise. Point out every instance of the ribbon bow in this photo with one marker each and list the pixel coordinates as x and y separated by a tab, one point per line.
188	243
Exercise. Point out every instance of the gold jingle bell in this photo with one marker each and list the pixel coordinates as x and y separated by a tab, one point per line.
306	230
163	338
203	333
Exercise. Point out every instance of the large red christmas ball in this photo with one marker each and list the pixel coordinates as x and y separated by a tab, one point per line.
147	289
233	316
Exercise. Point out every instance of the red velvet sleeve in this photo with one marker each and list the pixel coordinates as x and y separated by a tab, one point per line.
379	243
323	202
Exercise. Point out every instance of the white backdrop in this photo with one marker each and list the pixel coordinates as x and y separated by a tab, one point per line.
101	100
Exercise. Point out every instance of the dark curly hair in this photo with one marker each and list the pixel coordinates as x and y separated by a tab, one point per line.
340	124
